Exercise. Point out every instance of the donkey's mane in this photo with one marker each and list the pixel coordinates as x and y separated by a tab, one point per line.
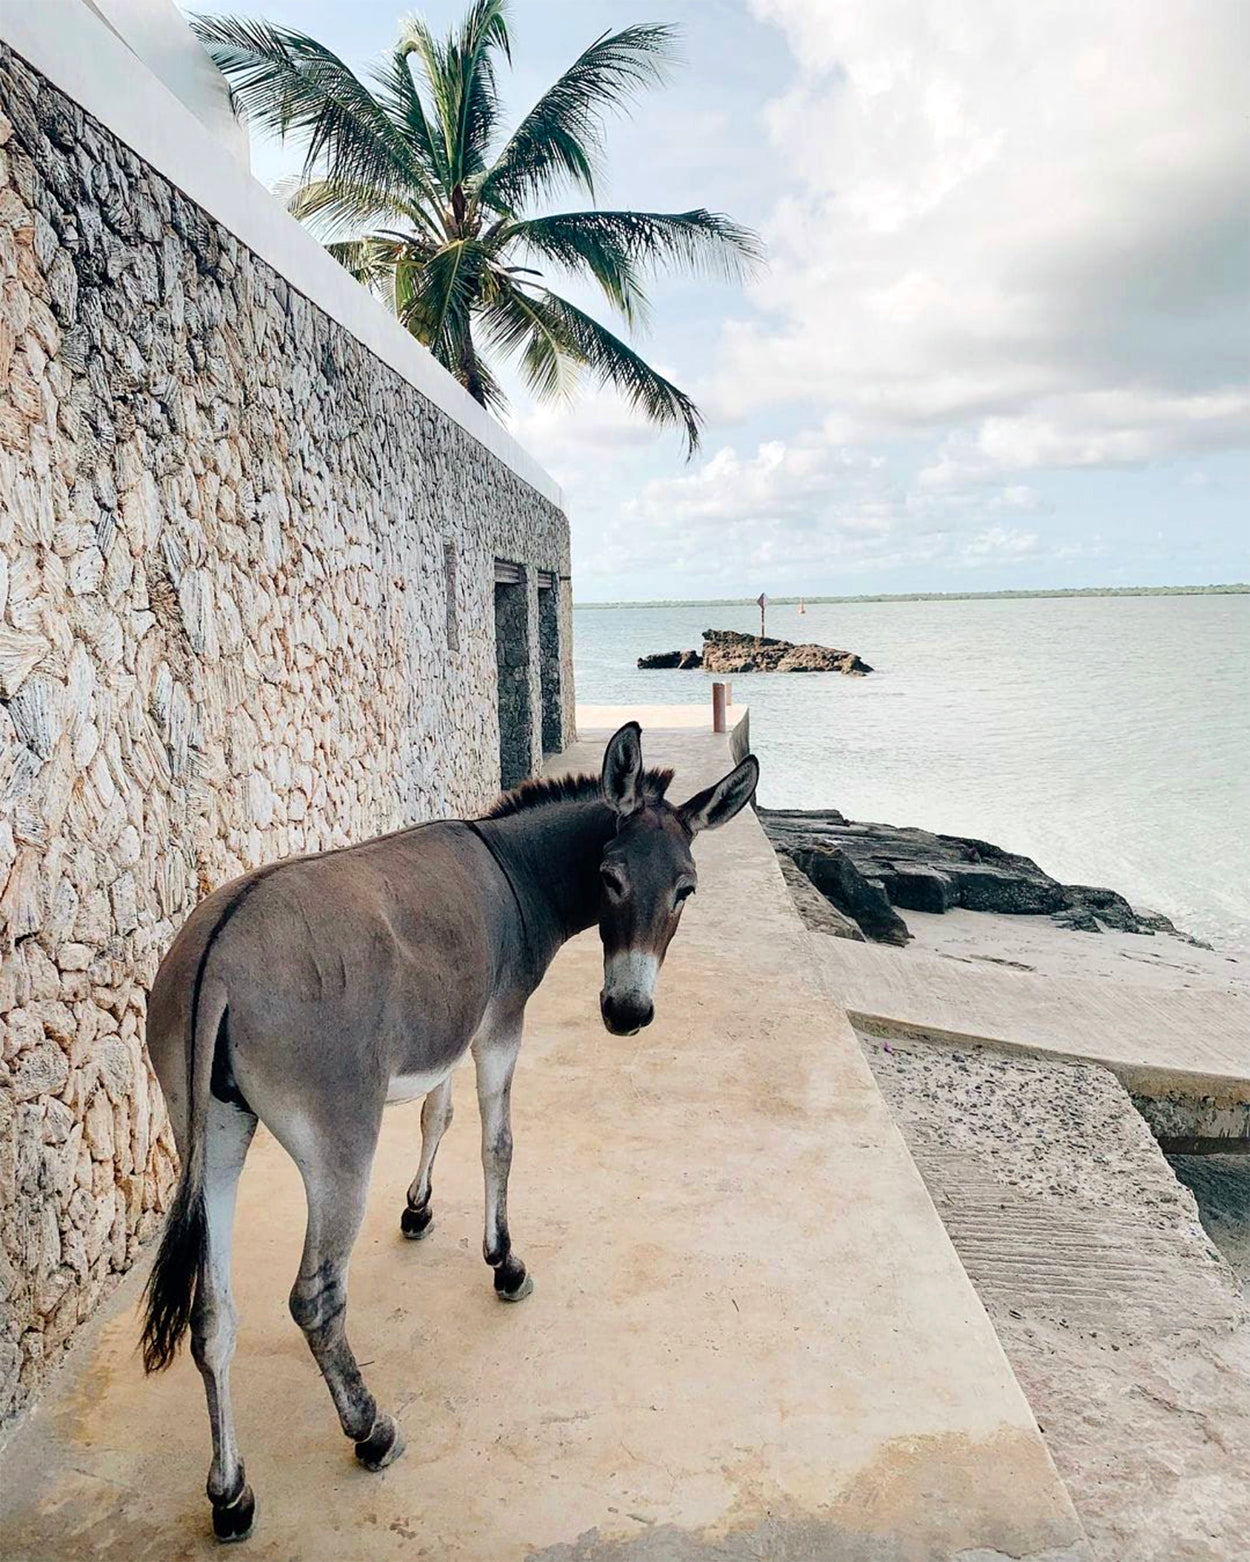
570	789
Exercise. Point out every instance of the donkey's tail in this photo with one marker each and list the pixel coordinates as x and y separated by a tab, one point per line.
170	1292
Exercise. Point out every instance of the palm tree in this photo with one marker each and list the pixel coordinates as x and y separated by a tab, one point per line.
421	198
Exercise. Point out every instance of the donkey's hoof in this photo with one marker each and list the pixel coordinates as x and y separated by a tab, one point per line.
521	1289
235	1520
416	1223
382	1446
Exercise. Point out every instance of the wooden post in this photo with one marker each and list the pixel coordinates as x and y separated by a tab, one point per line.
763	601
722	699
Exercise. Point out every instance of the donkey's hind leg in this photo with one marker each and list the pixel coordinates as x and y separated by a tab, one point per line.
336	1181
495	1053
214	1322
436	1114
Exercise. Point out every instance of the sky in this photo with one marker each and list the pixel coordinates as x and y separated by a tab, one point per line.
1002	337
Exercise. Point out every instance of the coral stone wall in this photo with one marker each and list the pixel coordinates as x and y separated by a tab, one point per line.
246	610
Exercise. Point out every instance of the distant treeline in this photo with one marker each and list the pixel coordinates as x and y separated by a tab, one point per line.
1232	588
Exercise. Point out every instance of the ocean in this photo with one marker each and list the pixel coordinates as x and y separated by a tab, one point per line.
1108	738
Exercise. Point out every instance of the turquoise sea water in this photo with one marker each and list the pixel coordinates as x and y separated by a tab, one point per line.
1107	737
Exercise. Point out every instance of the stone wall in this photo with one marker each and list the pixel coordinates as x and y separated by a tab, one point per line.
231	628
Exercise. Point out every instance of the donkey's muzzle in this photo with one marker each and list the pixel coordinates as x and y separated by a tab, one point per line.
625	1015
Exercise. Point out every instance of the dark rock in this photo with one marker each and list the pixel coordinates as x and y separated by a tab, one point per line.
1014	892
917	870
727	651
1110	909
861	898
664	659
818	913
1103	908
916	888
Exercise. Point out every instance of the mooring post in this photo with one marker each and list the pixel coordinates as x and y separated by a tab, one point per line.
722	699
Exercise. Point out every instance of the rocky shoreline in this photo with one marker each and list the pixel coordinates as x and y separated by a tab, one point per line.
854	880
728	651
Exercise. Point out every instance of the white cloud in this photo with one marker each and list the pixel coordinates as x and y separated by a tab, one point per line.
799	511
602	427
998	543
1092	429
1022	222
780	481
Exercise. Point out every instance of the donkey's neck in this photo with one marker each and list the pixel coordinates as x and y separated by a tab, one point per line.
552	854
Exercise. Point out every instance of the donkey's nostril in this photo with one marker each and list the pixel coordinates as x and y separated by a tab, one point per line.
625	1015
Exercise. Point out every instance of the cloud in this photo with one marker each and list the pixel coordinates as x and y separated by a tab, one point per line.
803	511
999	542
1021	222
779	482
1106	428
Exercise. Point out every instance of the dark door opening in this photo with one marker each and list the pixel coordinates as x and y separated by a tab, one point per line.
512	660
549	662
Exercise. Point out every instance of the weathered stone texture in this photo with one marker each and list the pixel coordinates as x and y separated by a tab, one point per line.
223	639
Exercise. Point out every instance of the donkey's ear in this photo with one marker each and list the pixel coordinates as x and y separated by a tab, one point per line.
709	810
622	770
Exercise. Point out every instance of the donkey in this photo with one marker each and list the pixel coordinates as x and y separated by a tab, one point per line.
310	992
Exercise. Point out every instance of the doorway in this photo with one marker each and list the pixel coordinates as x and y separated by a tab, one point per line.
549	661
512	660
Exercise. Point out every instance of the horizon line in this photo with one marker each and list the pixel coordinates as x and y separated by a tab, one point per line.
1224	588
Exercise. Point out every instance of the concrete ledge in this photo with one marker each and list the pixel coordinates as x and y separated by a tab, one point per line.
749	1337
1192	1040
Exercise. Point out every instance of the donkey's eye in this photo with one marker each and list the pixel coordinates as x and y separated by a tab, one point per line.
613	880
682	892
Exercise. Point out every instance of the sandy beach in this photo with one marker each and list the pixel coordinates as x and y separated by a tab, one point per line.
1034	943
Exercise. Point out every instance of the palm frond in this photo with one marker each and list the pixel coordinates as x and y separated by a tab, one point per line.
459	75
398	95
436	294
517	324
559	139
615	246
397	177
371	260
579	337
337	207
291	85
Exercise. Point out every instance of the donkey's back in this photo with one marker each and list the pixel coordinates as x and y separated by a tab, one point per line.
321	978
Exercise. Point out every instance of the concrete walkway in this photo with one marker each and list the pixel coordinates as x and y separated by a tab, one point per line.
749	1338
1186	1042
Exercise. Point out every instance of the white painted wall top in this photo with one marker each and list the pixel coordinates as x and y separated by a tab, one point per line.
155	32
70	43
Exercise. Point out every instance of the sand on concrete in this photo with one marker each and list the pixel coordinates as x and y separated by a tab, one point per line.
1123	1322
1039	944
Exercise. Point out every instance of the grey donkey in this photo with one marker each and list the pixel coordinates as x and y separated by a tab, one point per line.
310	992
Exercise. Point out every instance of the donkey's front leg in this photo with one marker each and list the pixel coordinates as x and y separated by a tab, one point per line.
495	1054
336	1179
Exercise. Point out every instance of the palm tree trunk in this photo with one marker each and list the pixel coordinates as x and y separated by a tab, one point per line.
468	372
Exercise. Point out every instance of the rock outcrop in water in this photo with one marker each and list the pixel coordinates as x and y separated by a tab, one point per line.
727	651
664	659
869	873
